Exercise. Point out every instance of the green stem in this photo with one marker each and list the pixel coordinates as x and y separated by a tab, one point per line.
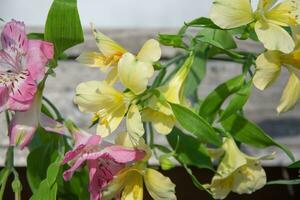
55	110
151	133
174	60
3	184
9	163
7	118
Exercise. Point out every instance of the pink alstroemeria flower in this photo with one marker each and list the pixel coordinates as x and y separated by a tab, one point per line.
22	66
104	160
24	124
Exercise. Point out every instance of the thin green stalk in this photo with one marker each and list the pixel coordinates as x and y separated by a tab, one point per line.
3	184
151	133
55	110
9	163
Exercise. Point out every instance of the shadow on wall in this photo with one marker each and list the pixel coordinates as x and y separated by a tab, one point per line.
281	127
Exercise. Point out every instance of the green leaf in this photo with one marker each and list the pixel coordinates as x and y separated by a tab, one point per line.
48	188
198	22
35	36
247	132
196	74
63	27
189	150
238	101
52	172
295	165
196	125
284	182
171	40
213	102
222	37
162	148
203	21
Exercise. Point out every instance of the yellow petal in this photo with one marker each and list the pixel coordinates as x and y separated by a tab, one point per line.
134	74
291	94
274	37
285	13
268	69
150	52
296	35
231	13
106	45
92	59
134	124
159	186
124	139
264	5
112	76
221	187
173	89
109	104
87	98
249	178
162	123
134	188
116	185
232	160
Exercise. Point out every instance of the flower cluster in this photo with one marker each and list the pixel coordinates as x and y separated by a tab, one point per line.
270	21
151	103
22	64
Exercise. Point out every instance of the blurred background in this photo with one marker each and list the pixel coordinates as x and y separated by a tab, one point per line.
131	22
114	13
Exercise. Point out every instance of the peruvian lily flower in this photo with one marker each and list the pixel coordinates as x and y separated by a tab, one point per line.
104	160
270	19
109	106
128	183
159	112
108	57
22	66
269	68
237	172
24	124
133	71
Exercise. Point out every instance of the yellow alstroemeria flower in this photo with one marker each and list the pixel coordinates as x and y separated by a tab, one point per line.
160	113
109	55
133	71
237	172
269	68
128	184
269	19
109	106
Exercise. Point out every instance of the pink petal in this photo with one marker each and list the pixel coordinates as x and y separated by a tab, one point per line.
95	185
82	141
3	98
125	155
39	53
22	129
24	124
101	172
22	93
51	125
14	36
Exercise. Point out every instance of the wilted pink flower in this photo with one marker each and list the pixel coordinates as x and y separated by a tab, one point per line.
24	124
104	160
22	66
